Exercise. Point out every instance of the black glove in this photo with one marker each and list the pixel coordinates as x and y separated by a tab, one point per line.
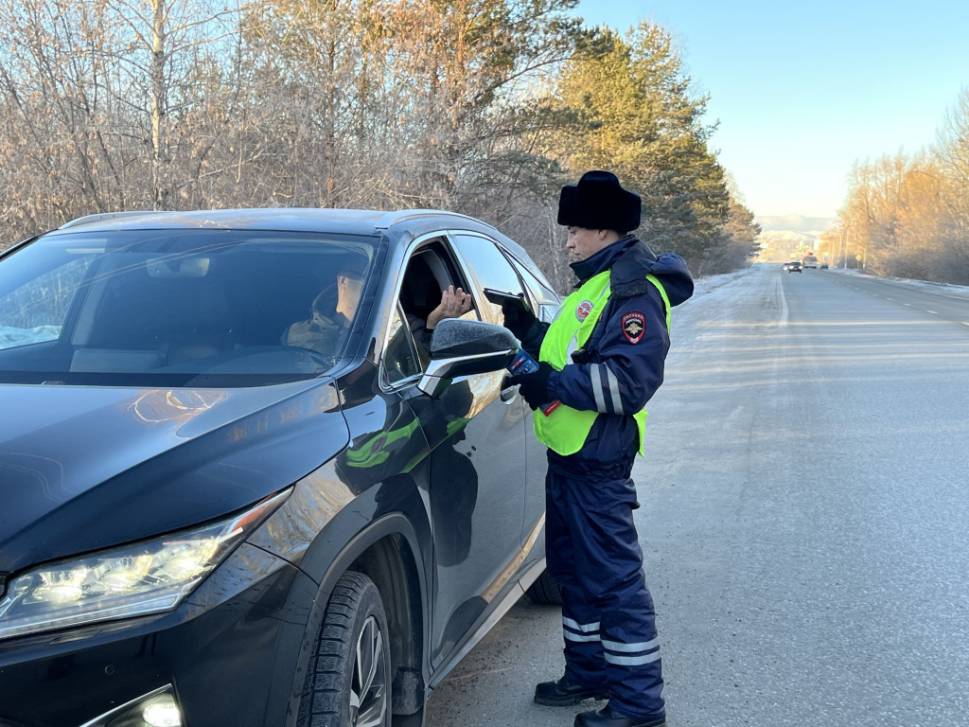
518	320
534	387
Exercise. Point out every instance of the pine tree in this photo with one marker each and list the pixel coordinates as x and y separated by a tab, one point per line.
635	115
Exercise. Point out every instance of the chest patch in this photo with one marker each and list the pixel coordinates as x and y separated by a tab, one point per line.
583	310
634	327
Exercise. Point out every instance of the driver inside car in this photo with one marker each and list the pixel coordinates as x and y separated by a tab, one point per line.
324	330
326	327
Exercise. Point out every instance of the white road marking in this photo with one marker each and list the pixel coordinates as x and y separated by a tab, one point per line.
907	305
965	323
785	311
933	312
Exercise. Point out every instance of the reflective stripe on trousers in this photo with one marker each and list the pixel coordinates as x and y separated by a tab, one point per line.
608	623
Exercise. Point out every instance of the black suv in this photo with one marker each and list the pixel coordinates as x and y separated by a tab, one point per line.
241	483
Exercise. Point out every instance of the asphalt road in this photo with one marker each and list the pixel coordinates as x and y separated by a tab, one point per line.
805	517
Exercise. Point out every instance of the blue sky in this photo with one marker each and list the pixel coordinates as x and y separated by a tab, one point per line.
803	89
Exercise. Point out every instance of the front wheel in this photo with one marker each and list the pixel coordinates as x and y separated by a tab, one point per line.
349	682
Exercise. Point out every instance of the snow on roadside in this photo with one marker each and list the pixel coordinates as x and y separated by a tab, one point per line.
947	288
715	297
709	283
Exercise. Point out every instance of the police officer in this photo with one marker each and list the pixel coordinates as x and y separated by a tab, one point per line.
601	359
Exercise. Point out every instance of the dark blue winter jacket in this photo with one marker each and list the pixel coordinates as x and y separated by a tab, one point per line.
634	359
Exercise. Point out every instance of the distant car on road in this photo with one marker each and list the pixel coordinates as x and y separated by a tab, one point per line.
824	266
793	267
241	483
810	261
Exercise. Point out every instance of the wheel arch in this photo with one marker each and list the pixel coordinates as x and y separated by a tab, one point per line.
390	564
388	552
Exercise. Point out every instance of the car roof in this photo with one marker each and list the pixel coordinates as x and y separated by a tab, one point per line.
401	225
349	221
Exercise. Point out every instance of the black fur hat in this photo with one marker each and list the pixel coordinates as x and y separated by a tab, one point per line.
598	202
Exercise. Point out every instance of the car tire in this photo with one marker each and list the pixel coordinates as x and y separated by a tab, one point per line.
349	678
545	591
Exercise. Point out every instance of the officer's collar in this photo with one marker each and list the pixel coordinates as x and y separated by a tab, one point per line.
602	260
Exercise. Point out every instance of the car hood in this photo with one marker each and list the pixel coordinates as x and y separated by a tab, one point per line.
84	468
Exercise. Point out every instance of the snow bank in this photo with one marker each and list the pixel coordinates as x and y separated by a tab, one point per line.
947	288
709	283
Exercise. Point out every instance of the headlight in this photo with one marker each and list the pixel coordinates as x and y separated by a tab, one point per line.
134	580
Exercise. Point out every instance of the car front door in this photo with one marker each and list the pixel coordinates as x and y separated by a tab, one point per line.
477	474
495	268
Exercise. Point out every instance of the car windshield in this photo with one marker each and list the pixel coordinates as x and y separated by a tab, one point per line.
195	307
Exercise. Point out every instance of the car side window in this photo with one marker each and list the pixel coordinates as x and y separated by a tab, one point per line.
491	269
429	272
400	356
548	299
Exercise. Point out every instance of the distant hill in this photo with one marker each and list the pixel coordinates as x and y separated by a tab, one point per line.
788	237
795	223
781	245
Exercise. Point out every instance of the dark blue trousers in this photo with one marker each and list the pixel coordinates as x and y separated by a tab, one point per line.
592	550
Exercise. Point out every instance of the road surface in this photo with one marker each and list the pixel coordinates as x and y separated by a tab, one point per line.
805	517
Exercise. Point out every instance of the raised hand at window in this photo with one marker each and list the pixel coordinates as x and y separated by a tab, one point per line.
454	303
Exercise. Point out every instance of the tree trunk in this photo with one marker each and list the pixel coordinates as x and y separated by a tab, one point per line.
158	105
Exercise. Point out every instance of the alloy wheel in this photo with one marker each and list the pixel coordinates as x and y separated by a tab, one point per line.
368	691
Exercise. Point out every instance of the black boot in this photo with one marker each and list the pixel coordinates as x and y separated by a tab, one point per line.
605	717
565	692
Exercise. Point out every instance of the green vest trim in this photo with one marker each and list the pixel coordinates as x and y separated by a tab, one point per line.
565	430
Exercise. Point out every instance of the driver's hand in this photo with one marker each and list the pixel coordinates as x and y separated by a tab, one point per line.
454	304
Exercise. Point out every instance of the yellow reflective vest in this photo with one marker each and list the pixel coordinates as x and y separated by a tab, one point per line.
565	429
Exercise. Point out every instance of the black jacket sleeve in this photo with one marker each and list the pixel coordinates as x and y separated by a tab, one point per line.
532	340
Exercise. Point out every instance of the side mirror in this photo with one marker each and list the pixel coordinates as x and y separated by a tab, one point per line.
464	348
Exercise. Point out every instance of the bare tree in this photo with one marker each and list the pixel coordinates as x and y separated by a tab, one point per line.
174	104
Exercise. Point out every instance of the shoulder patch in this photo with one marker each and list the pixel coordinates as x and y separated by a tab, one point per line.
584	309
634	326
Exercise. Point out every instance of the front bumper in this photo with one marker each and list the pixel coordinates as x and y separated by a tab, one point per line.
229	650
